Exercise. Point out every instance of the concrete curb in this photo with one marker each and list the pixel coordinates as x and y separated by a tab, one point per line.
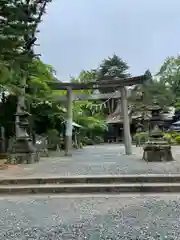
94	179
90	189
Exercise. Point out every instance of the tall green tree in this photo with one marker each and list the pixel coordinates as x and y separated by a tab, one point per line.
169	74
38	99
113	67
153	92
38	76
85	77
18	27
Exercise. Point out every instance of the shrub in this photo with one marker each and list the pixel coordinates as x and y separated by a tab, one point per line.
177	139
171	137
141	137
98	140
174	135
87	141
53	139
167	137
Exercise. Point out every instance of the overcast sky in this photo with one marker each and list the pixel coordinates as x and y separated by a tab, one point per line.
78	34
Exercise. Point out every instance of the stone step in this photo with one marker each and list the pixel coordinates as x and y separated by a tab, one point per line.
90	188
87	179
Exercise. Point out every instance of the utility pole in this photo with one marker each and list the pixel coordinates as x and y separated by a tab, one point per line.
126	124
69	127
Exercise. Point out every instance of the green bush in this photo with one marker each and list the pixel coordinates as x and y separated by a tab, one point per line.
174	135
171	137
167	137
87	141
141	137
53	139
177	139
98	140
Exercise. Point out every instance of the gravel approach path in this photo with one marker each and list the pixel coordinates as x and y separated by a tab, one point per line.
90	218
95	160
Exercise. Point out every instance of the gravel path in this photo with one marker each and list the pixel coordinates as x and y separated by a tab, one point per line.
103	159
90	218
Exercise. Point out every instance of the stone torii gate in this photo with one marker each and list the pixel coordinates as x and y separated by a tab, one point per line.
117	83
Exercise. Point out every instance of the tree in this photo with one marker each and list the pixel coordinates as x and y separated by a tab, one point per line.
19	19
150	93
86	76
83	111
47	115
113	67
169	74
94	125
38	76
18	26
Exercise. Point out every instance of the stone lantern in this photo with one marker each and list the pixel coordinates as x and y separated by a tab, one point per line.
156	149
22	149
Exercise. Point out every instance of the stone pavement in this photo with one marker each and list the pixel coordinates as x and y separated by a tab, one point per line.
91	160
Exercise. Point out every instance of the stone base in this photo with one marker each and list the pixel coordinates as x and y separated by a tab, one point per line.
22	145
23	158
157	153
68	154
3	164
43	153
23	151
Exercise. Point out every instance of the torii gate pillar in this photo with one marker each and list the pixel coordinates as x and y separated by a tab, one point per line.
126	125
69	128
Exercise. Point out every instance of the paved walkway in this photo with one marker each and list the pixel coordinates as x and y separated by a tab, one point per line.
102	159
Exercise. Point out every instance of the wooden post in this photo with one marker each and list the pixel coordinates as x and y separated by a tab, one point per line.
68	135
126	124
